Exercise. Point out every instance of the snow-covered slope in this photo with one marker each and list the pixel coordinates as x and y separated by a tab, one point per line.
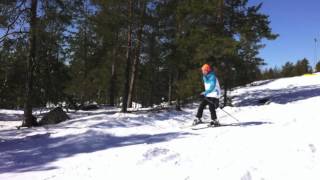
275	139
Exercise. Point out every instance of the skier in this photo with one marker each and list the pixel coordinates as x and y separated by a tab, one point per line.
210	96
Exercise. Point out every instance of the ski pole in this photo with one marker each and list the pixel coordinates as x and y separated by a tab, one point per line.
222	110
230	115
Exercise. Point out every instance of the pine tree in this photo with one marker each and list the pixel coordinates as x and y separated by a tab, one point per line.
137	52
145	51
318	67
20	15
271	73
12	60
303	67
288	70
110	25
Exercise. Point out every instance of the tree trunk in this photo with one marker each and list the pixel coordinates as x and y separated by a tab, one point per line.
178	73
153	68
30	120
170	88
178	103
113	78
220	11
127	72
84	96
225	95
136	60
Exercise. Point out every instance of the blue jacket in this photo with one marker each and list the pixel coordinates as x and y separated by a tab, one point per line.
212	86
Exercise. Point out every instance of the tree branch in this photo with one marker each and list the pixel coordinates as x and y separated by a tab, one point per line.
12	33
15	19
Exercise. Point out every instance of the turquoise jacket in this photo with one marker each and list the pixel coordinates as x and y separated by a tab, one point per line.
211	84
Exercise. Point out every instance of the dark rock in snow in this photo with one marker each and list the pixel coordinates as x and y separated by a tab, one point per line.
89	107
55	116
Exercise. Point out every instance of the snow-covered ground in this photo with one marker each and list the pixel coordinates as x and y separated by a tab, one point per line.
277	138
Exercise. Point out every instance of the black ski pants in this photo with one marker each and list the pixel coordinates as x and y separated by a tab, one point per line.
213	105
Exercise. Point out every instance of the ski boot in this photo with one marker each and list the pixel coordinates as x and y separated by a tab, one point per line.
214	123
197	121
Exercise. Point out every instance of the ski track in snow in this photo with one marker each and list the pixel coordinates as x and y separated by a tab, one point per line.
273	140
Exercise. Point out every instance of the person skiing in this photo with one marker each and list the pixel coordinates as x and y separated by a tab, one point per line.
210	96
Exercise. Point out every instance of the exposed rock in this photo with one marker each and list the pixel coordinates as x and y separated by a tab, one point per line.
55	116
89	107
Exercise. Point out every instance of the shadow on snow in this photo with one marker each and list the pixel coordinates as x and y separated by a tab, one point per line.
33	153
245	124
137	119
280	96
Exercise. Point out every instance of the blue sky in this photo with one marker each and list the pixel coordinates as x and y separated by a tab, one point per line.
298	24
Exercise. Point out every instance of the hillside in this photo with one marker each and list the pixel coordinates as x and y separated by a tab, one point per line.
276	138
